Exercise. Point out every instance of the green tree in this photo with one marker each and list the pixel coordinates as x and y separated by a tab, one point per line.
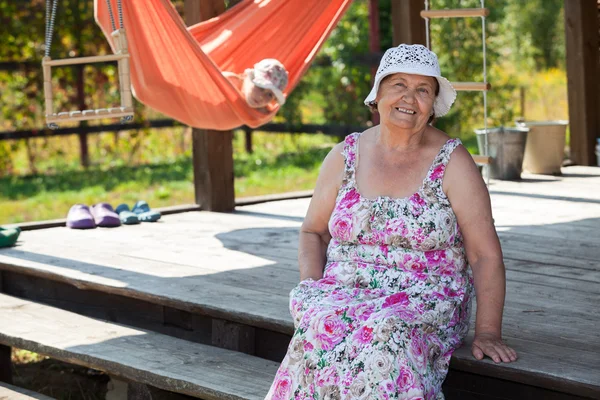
534	31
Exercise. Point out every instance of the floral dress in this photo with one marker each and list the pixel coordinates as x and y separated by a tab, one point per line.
394	301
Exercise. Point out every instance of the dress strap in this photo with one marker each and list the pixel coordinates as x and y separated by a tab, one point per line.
436	172
350	153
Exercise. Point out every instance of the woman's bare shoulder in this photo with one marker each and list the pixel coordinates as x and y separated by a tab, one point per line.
334	160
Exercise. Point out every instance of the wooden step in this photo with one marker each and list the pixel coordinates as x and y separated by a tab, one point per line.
481	159
240	267
10	392
472	86
455	13
137	355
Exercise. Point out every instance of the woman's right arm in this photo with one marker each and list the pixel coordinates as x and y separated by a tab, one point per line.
314	233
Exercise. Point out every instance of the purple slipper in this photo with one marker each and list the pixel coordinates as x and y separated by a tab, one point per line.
80	217
105	216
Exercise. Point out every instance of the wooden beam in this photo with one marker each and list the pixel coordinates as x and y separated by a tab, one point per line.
407	25
5	364
212	150
583	81
374	44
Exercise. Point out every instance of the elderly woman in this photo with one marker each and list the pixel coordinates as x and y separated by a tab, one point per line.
398	214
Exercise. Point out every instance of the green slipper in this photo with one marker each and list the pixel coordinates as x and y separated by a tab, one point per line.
126	216
144	213
9	236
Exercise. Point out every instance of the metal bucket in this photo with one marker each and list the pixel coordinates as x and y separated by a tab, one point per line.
545	148
506	147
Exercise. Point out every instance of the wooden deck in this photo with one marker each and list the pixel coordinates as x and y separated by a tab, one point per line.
224	279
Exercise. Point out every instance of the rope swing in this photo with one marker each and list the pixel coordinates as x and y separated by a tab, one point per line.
121	56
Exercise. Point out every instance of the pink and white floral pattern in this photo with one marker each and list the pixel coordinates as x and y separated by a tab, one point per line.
394	301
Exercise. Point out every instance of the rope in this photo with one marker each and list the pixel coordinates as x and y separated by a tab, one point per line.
120	11
427	25
110	14
485	108
48	11
50	25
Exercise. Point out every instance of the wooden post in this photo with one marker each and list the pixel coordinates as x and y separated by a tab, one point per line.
583	80
83	137
407	25
249	146
5	364
374	44
212	151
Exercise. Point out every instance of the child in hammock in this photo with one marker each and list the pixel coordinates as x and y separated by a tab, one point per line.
262	84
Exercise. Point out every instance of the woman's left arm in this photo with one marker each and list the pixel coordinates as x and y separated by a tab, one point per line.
470	202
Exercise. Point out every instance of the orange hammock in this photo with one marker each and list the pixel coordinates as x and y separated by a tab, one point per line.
177	70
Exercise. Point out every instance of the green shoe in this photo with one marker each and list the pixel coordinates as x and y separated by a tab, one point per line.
144	213
126	216
9	236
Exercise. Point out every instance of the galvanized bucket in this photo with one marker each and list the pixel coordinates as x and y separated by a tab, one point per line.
506	147
545	148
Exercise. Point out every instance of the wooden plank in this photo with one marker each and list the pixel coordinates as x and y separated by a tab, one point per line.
472	86
529	272
137	355
5	364
461	385
456	13
212	151
542	365
550	243
481	159
177	323
65	117
583	78
218	301
407	25
10	392
233	336
84	60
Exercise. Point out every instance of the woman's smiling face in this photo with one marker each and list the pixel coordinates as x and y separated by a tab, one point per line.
406	100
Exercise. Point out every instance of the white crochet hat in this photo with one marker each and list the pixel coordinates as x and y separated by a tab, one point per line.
419	60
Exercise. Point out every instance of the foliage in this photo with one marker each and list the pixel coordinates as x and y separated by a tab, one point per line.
280	162
535	33
342	86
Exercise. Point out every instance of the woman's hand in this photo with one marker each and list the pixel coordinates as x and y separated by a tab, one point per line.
492	346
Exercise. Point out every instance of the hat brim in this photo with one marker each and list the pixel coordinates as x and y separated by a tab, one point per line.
276	91
443	101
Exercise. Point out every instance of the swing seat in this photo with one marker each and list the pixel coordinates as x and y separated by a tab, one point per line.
121	56
85	115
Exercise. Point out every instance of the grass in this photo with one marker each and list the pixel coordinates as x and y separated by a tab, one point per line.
280	163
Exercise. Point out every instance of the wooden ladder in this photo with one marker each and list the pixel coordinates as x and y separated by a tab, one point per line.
121	56
482	12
